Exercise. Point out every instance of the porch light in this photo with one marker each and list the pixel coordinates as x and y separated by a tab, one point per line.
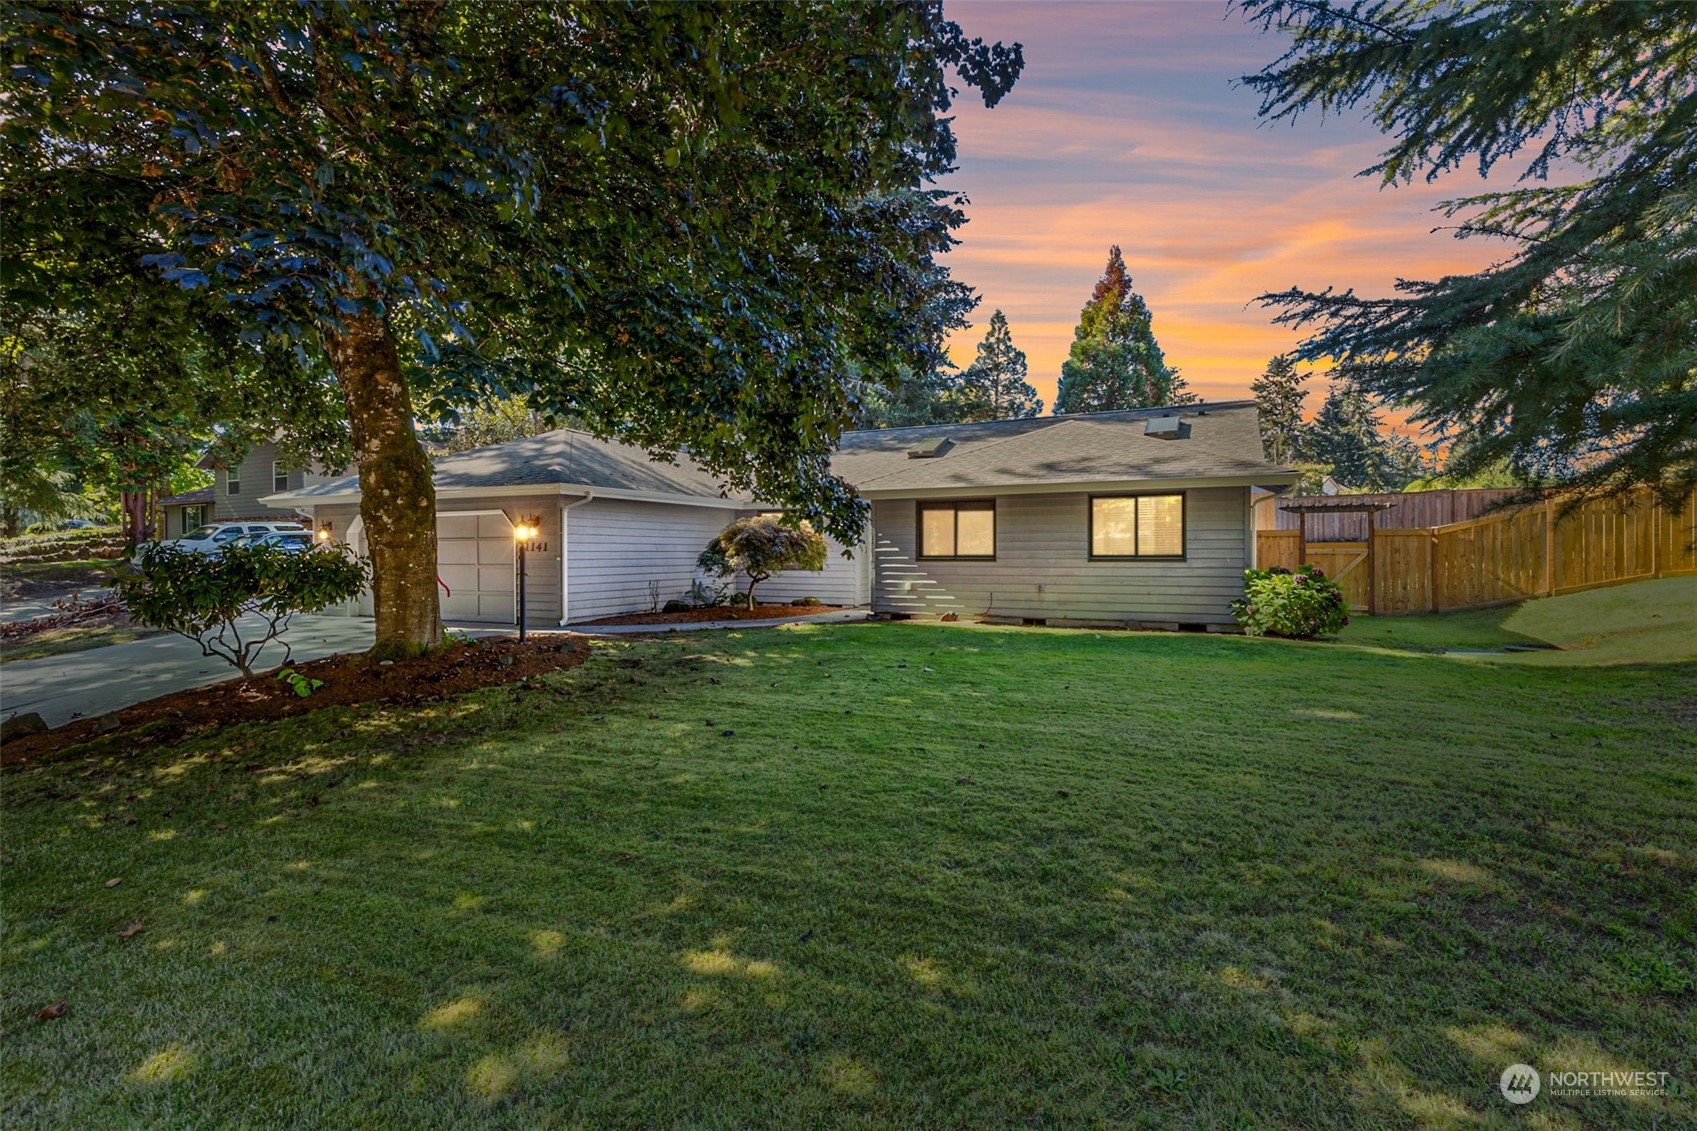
525	531
325	532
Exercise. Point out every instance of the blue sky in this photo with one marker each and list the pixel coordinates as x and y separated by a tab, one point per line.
1127	128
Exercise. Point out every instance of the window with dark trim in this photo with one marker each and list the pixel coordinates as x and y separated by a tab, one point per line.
279	476
1136	526
959	529
233	482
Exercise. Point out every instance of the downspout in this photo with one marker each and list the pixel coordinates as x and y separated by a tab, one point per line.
565	552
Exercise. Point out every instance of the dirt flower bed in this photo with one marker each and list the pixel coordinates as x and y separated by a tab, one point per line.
719	612
348	680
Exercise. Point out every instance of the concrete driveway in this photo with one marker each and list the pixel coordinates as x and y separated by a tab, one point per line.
28	608
84	684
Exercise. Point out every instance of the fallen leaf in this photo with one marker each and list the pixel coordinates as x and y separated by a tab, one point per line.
52	1012
114	881
131	931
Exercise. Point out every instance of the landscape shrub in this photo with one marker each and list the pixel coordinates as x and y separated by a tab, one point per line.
1300	605
205	596
677	606
760	546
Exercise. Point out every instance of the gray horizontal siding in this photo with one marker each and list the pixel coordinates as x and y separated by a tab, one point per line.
1043	570
254	477
617	547
841	582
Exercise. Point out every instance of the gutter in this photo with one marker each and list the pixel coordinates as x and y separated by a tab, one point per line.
565	553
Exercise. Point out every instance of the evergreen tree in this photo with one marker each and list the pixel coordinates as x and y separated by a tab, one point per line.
1345	441
1344	435
1279	394
1116	362
931	397
1573	356
994	387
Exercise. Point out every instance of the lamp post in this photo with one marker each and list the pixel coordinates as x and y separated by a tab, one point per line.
523	531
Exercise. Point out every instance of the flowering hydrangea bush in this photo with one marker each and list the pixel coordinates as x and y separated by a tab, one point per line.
1300	605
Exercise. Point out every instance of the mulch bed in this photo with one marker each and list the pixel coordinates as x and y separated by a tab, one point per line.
719	612
348	680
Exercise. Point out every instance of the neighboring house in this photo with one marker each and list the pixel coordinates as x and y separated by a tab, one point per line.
238	492
1140	517
1120	518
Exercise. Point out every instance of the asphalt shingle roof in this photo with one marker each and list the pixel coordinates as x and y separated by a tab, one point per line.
188	498
563	456
1221	440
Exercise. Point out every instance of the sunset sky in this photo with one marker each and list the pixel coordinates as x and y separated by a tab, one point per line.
1126	128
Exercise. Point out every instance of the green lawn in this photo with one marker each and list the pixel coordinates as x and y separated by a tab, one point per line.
880	875
1615	625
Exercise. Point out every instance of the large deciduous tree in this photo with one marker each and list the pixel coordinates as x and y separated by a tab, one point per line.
1115	361
680	224
1575	356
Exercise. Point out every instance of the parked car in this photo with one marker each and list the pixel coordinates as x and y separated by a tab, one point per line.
289	541
213	537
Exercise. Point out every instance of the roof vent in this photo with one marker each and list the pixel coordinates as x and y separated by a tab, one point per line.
930	449
1166	428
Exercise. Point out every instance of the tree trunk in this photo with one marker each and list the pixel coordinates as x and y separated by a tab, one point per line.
397	498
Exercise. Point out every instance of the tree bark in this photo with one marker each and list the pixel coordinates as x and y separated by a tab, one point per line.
397	499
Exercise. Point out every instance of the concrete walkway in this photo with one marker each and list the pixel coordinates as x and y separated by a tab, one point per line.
93	682
835	616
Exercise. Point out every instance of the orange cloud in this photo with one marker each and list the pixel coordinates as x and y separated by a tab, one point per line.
1126	129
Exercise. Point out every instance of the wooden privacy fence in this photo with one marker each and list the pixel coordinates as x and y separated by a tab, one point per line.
1403	510
1532	551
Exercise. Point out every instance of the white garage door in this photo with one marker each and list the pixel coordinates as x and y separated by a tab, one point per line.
474	559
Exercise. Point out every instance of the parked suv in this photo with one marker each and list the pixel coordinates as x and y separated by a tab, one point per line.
212	538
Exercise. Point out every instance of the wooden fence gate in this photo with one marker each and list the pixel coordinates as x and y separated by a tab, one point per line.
1532	551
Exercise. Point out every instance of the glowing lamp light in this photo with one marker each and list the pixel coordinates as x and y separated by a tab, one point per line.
324	533
525	530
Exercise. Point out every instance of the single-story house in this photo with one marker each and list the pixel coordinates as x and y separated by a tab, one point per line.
240	492
1139	517
618	532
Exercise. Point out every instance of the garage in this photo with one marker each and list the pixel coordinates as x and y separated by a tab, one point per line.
474	559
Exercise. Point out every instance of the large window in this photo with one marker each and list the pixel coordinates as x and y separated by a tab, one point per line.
279	476
1137	526
958	529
